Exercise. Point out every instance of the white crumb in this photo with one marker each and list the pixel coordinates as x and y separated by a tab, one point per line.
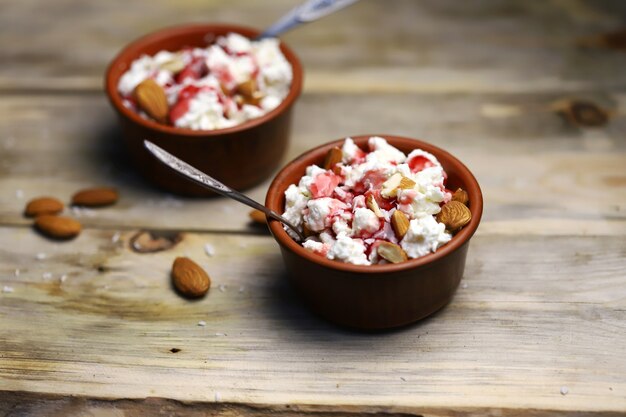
242	289
17	272
46	275
202	323
218	397
63	277
7	289
564	390
221	334
116	237
19	194
209	249
464	285
222	287
41	256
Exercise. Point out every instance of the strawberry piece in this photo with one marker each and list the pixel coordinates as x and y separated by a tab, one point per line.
179	109
195	70
188	92
324	184
419	162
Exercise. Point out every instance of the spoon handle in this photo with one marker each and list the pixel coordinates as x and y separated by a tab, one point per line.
211	183
306	12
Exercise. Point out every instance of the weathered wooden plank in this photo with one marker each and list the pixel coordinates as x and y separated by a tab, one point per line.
432	45
38	405
539	174
533	314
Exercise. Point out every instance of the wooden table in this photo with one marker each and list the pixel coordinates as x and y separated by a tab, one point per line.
537	327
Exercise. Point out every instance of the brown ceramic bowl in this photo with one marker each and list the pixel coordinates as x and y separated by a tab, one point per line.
377	296
239	156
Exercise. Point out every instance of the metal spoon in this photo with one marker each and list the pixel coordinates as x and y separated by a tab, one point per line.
306	12
212	184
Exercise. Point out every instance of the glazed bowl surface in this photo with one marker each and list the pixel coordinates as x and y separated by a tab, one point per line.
376	296
240	156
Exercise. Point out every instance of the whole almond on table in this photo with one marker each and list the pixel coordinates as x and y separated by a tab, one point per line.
189	278
399	223
454	215
151	98
57	227
95	197
461	196
43	205
392	252
258	216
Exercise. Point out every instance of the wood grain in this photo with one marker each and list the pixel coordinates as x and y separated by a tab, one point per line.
541	174
88	327
433	45
533	314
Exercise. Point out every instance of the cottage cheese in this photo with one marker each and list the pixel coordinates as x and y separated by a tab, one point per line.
332	204
202	84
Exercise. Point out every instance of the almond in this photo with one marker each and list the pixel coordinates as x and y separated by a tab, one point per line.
258	216
392	252
43	205
395	182
250	92
333	157
57	227
390	187
400	224
151	98
306	231
454	215
95	197
406	183
461	196
189	278
371	204
174	65
227	91
248	89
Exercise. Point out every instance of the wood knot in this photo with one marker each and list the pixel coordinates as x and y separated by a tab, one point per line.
150	241
615	39
582	113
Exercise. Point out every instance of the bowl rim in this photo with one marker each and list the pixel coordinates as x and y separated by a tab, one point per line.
301	162
136	46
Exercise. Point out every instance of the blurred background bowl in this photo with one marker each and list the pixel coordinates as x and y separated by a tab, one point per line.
377	296
239	156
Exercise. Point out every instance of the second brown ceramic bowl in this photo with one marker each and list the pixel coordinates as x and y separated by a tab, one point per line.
239	156
377	296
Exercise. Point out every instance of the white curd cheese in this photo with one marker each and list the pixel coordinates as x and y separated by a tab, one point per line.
346	227
232	61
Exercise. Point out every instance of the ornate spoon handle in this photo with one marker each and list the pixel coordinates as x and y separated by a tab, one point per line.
306	12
